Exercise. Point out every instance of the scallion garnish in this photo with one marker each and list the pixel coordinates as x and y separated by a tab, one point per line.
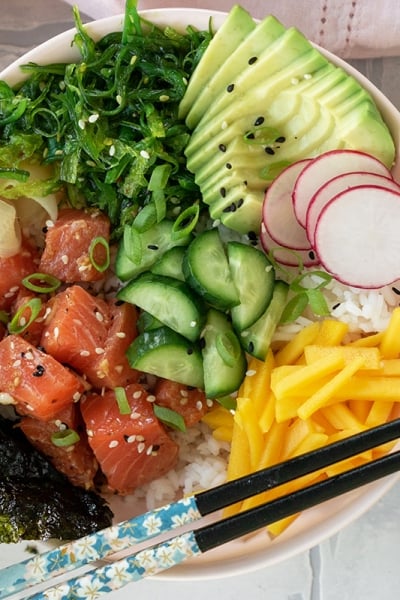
307	295
65	437
19	323
169	417
186	222
122	401
228	347
99	241
44	283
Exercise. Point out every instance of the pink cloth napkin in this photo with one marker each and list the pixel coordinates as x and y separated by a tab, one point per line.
348	28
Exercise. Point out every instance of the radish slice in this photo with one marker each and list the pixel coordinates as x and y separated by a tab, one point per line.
357	236
287	256
325	167
339	184
278	215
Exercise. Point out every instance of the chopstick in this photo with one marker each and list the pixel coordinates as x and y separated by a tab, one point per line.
151	560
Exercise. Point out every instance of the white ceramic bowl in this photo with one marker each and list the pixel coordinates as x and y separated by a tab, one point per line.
316	524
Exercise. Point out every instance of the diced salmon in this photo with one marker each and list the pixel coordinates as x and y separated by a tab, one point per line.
190	403
132	449
39	384
67	246
12	270
76	461
91	335
33	332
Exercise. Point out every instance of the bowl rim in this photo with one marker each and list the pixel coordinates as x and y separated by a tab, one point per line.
241	559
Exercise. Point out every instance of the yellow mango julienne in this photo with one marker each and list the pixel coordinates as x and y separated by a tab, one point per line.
312	391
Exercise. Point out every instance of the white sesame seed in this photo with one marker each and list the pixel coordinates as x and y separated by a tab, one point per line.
134	416
137	394
93	118
29	355
141	447
149	450
89	432
251	372
140	438
76	396
6	398
185	81
118	98
209	402
199	405
14	289
81	124
49	223
113	444
84	353
164	98
131	439
99	350
22	321
99	316
184	393
65	259
56	332
17	363
193	323
307	76
111	151
121	334
151	398
144	154
294	81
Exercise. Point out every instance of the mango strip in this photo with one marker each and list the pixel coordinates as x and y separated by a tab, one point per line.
331	333
371	356
390	344
294	349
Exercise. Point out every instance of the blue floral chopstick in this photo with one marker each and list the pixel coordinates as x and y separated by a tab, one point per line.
99	545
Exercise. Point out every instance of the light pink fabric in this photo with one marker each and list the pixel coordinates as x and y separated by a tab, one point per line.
349	28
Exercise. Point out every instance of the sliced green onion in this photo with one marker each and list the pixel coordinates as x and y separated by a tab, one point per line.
146	217
64	438
169	417
122	401
41	282
228	402
159	177
186	222
294	308
132	244
278	265
228	347
296	284
99	241
15	326
271	171
317	302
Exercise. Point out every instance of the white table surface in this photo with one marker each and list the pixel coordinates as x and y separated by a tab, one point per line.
359	563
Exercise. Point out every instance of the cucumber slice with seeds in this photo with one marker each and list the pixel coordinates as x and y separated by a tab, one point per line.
206	269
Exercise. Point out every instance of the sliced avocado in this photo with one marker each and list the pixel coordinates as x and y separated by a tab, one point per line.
236	27
241	212
252	102
240	58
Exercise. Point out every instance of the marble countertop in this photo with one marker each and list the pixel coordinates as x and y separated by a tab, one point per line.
360	562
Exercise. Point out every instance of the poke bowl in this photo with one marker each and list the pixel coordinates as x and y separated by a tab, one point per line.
204	457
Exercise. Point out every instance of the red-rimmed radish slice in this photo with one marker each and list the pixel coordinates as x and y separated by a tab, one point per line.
277	213
339	184
287	256
325	167
357	236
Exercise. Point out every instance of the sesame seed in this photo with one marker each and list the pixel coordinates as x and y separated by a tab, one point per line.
93	118
130	439
141	447
14	289
184	393
144	154
84	353
99	316
149	450
250	372
199	405
121	334
222	191
183	401
222	147
307	76
76	396
209	402
193	323
294	81
56	332
164	98
137	394
99	350
113	444
22	321
259	121
252	60
81	124
89	432
118	98
49	223
140	438
151	398
28	355
64	259
134	416
230	88
17	363
111	151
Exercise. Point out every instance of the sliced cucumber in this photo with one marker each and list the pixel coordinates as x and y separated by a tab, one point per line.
224	361
254	278
146	321
170	263
169	300
149	246
165	353
257	338
206	269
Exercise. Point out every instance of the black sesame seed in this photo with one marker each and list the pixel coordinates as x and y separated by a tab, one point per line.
280	139
230	88
222	147
252	60
189	351
396	291
250	136
311	254
45	229
152	246
228	166
39	371
202	343
240	203
336	306
259	121
222	191
270	150
252	235
251	347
